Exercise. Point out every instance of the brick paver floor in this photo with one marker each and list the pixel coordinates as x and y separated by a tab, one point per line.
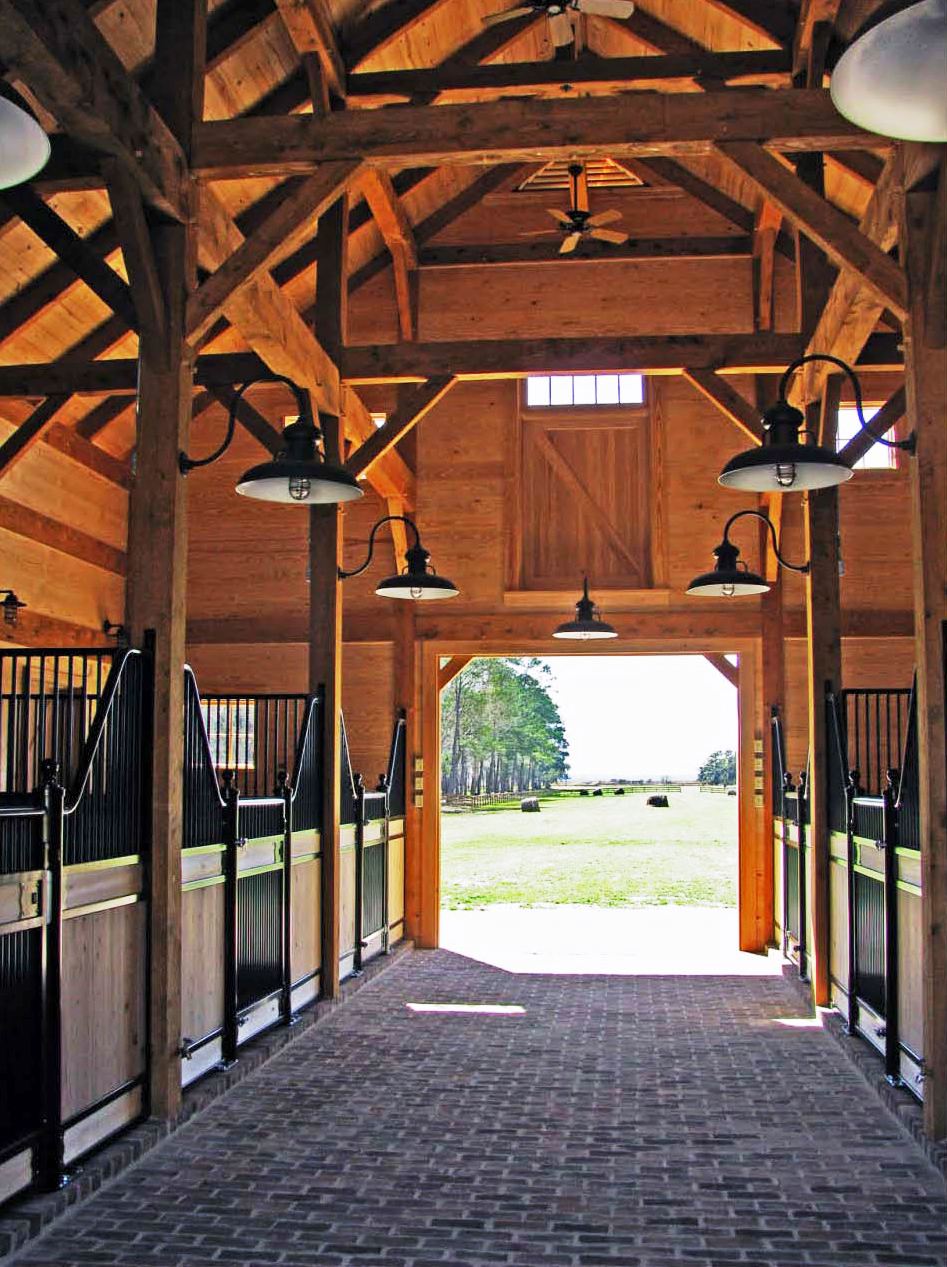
532	1120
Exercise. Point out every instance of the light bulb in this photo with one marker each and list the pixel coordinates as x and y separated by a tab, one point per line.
416	591
728	589
785	474
299	488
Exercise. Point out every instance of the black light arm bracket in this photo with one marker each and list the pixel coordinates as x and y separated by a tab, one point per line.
416	554
186	463
726	544
909	444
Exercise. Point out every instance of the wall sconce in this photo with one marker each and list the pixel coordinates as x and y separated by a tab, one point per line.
781	463
11	606
24	146
730	577
418	581
893	79
587	624
299	474
118	632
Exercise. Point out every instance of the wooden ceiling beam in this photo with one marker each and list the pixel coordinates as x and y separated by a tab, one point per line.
72	251
471	359
310	28
389	474
292	216
128	211
615	73
812	15
50	285
723	666
524	131
101	415
775	20
65	440
891	412
420	403
56	48
830	229
28	433
514	254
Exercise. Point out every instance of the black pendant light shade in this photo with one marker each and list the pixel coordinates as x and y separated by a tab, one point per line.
781	463
588	624
298	474
730	578
419	581
24	146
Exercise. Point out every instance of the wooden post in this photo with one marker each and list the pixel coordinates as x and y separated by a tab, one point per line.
773	684
756	858
325	592
405	693
157	558
926	384
824	664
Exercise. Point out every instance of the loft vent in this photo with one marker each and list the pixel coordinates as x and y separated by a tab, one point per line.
603	173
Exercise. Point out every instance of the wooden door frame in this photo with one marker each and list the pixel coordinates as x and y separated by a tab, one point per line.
755	853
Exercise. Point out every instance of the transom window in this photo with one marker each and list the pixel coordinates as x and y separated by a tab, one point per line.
879	457
555	391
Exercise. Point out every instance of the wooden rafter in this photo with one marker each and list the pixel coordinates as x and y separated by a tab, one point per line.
53	533
395	228
765	233
420	403
144	283
723	666
56	48
522	131
449	668
844	244
382	27
689	248
734	407
891	412
310	28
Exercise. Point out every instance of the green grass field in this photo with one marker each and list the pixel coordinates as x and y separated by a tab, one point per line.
595	851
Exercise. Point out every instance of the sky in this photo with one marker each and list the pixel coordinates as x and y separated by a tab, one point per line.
638	717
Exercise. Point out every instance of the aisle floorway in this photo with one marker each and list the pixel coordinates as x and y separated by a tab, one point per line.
454	1113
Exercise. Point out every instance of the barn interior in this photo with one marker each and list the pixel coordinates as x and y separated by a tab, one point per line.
219	772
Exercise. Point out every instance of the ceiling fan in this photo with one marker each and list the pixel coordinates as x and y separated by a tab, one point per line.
558	11
577	222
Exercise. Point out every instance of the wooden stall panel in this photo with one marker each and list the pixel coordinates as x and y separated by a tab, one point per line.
103	1035
910	984
202	961
396	880
347	906
778	880
306	918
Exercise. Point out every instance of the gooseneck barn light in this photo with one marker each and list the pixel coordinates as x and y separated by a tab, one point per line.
418	581
731	576
24	146
782	463
893	79
11	607
588	623
299	474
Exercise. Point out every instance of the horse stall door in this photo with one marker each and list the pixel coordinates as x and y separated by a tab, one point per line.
22	961
104	921
259	921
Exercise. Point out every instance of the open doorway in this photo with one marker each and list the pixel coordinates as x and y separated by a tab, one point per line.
590	814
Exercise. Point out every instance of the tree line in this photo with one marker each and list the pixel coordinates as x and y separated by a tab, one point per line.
500	729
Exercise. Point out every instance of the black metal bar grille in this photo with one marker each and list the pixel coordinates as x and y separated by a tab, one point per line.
203	804
397	770
262	818
348	798
48	700
870	940
307	771
21	1065
779	764
868	817
375	807
373	889
909	811
876	723
837	767
259	936
104	808
255	736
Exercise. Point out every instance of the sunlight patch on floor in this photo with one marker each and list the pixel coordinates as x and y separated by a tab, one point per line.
475	1009
591	940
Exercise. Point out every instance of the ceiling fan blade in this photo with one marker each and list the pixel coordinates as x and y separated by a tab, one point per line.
609	235
536	233
560	28
605	217
571	242
507	15
607	8
561	216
